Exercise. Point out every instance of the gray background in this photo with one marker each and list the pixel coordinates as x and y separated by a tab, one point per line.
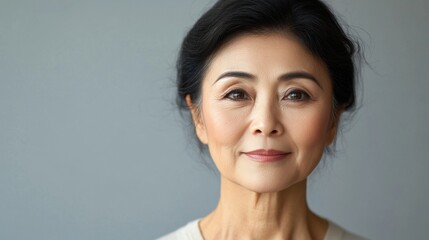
91	146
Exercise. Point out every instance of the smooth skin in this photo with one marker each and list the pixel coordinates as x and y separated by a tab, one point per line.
265	91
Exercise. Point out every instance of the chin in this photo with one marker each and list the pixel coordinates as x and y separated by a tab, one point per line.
267	185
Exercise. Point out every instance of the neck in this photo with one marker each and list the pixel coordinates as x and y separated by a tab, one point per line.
249	215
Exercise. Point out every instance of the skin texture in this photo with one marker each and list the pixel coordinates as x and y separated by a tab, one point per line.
282	100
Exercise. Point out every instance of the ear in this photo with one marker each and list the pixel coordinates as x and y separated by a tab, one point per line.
197	119
333	127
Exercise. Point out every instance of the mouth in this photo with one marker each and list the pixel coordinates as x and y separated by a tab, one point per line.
266	155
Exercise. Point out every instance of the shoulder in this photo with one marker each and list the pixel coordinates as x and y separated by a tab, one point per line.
190	231
335	232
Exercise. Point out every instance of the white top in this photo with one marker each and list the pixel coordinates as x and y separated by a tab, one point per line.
191	231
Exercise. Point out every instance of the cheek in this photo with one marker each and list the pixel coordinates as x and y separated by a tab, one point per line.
224	127
224	130
310	130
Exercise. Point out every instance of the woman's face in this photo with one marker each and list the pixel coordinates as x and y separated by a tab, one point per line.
266	111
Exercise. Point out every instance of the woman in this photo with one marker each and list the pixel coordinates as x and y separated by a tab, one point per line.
266	83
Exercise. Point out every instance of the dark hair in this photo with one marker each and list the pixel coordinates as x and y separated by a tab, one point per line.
311	21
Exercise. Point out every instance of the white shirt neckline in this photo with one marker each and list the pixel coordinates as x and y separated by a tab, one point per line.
191	231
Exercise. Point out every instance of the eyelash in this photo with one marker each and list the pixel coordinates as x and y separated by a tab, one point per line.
244	96
240	91
305	96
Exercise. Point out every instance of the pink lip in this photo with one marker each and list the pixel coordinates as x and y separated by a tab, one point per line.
264	155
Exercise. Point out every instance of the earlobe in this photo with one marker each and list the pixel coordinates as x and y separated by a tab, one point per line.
331	135
197	120
335	121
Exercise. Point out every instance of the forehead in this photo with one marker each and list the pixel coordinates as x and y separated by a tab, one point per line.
266	55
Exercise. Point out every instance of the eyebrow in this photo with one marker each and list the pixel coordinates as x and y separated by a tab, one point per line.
283	77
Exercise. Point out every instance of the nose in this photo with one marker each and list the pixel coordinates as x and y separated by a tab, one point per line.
267	119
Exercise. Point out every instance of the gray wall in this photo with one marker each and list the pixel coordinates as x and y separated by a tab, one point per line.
91	146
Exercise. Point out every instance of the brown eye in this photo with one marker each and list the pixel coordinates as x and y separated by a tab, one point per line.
297	95
237	95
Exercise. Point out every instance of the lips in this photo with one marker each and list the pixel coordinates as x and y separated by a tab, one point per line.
266	155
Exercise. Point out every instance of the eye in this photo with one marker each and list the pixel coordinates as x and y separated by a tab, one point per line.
237	95
297	95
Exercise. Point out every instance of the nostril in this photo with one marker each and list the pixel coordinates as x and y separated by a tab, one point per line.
273	132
